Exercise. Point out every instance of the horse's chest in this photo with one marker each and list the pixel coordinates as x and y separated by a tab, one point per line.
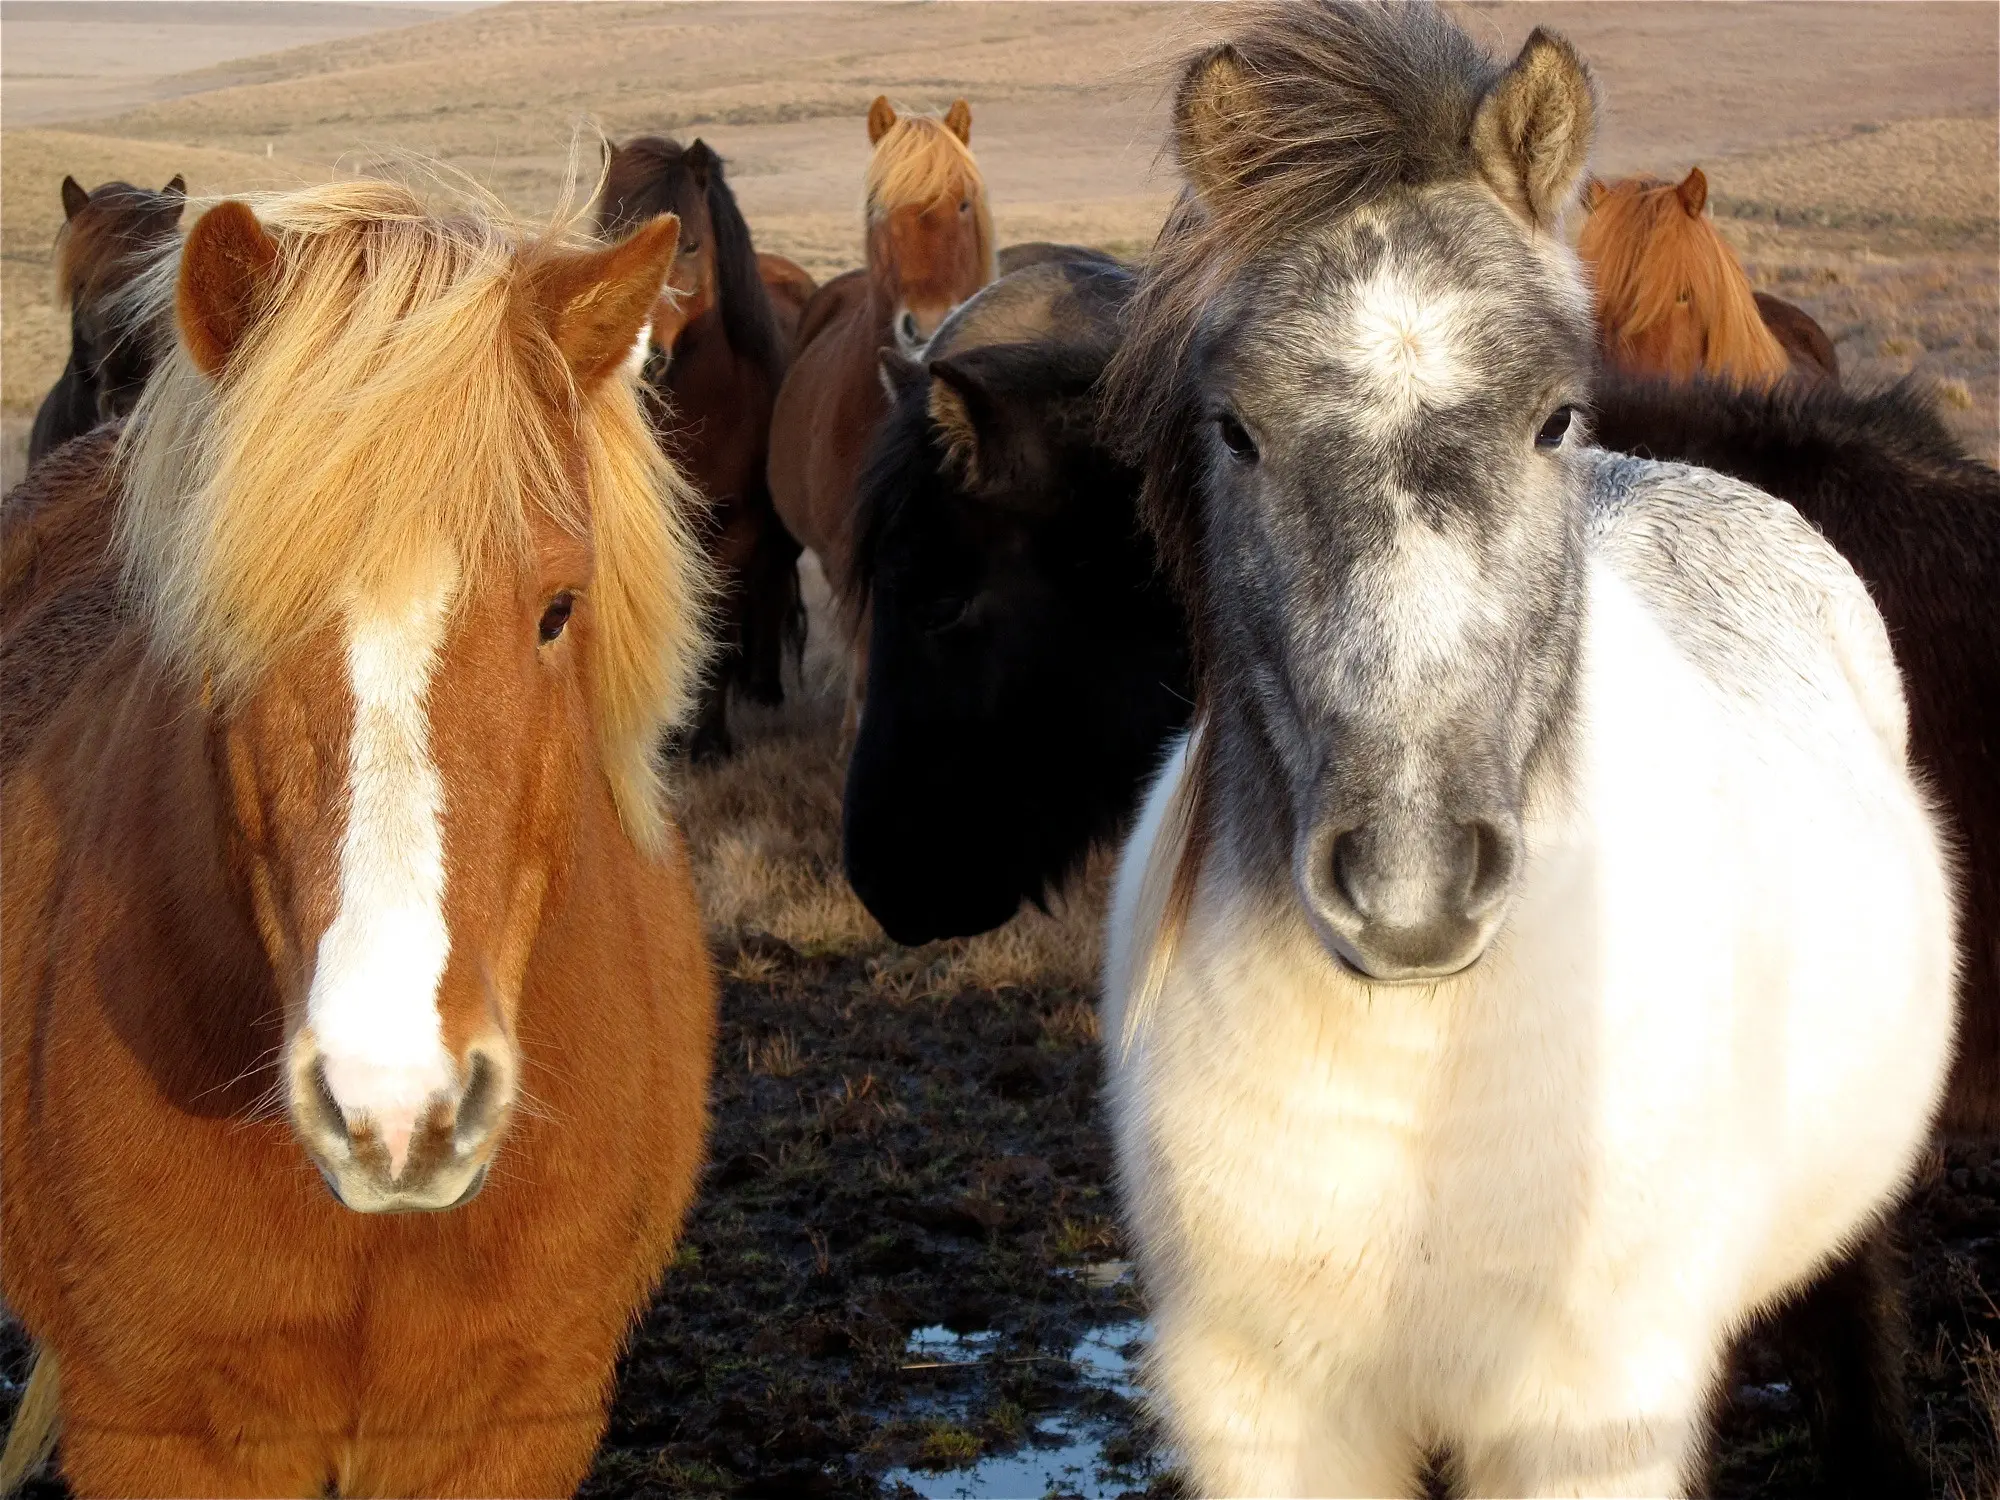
1393	1168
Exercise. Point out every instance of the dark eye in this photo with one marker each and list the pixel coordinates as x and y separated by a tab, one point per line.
941	613
1551	435
965	205
694	249
1235	438
556	616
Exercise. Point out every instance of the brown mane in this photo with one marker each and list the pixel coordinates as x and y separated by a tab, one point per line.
1648	252
354	436
99	250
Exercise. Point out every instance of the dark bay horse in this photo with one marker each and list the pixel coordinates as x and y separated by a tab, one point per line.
718	355
929	237
340	883
1672	298
109	235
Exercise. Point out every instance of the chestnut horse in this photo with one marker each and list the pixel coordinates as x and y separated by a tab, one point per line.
108	236
930	246
1672	298
717	356
342	863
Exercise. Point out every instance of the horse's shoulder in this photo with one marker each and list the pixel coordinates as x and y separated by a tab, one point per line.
1751	591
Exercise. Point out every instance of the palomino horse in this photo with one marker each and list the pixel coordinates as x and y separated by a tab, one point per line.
108	237
718	356
1672	298
930	246
339	879
1539	958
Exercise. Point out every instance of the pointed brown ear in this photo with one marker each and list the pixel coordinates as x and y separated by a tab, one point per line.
1593	192
229	269
1206	107
593	303
1693	192
1533	129
881	115
74	197
958	120
176	187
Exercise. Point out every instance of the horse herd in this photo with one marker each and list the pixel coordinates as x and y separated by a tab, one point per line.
1554	722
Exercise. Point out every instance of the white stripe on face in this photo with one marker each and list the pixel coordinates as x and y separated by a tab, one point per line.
373	1004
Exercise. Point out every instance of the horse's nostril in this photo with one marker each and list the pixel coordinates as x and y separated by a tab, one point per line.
331	1118
1348	882
480	1105
1494	856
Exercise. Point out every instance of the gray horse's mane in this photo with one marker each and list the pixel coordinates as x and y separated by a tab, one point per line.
1305	111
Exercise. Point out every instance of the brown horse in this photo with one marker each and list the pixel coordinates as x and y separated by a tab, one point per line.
718	354
108	237
930	246
790	286
1672	298
341	862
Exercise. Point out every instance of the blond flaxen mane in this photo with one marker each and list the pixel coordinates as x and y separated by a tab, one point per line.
919	163
394	406
1647	252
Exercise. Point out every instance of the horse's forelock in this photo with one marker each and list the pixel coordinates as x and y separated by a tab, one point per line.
1645	247
375	418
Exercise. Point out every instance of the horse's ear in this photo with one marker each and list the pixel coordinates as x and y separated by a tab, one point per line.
1533	129
74	198
701	160
881	116
176	187
988	438
229	268
1206	138
1593	192
958	120
897	372
1693	192
593	303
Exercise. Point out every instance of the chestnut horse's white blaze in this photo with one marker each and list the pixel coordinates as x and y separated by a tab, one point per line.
372	1009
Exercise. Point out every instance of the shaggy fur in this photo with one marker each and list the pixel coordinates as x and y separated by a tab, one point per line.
233	528
1884	480
1425	1148
1671	297
329	867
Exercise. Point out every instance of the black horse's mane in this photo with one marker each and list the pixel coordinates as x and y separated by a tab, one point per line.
648	175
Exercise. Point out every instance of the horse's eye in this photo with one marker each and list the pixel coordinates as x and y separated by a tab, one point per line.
940	613
965	205
1235	437
1551	435
1684	298
556	616
693	249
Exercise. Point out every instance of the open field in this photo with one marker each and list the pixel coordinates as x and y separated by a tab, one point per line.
906	1252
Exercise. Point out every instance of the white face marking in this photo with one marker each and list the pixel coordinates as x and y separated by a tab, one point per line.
635	358
1403	344
373	1003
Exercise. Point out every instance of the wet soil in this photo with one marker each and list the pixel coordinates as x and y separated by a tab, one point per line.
906	1249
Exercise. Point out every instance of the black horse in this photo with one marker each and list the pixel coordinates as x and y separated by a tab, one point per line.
1027	662
109	235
